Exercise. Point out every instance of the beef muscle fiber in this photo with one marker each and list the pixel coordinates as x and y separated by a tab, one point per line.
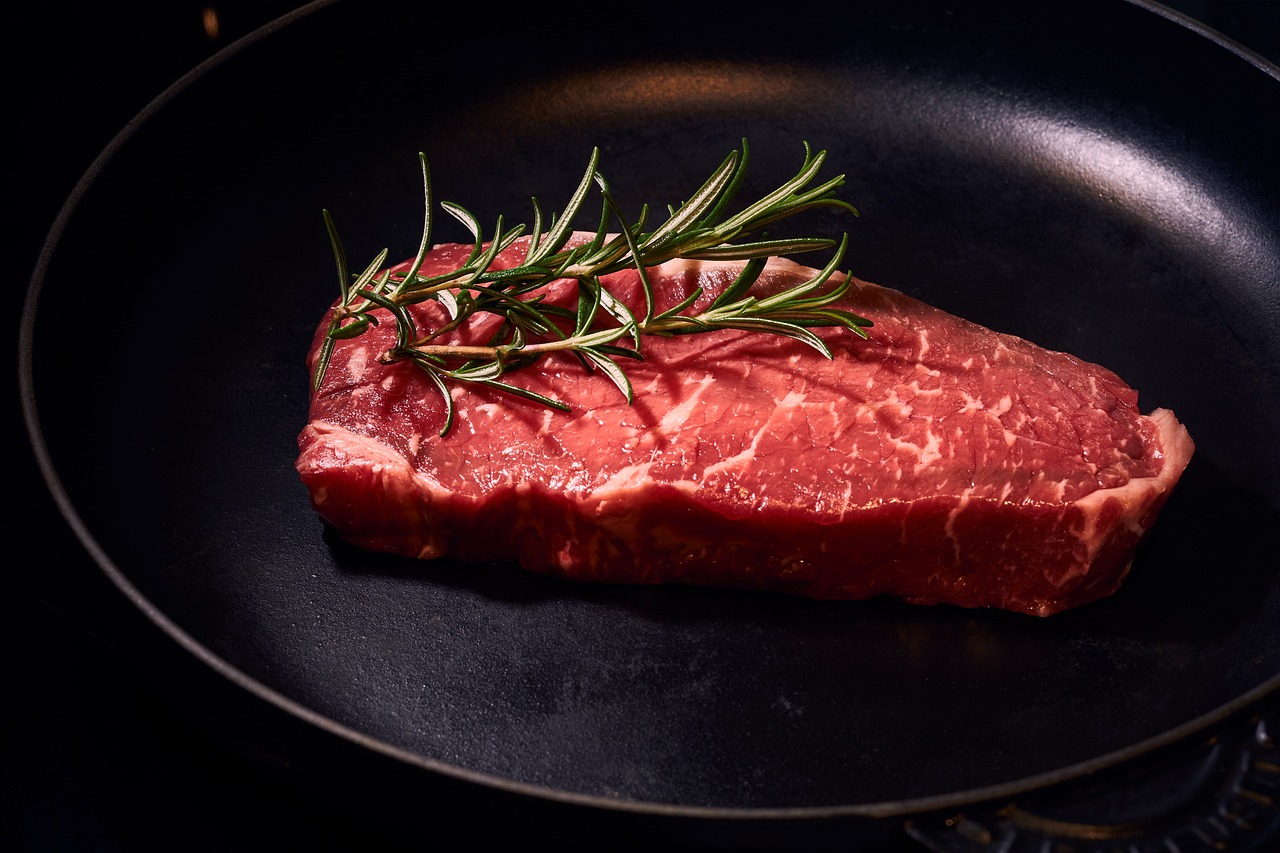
938	461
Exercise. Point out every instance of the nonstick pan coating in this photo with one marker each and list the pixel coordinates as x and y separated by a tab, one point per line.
1100	183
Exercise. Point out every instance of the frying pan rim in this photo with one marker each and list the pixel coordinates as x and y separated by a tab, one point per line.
308	717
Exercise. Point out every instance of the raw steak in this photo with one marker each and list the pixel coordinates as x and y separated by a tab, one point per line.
939	461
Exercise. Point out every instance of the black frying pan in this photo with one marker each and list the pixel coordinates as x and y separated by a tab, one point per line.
1102	183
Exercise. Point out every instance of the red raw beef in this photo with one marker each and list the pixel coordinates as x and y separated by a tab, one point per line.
938	461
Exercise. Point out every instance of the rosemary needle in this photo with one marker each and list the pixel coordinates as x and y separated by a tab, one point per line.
604	331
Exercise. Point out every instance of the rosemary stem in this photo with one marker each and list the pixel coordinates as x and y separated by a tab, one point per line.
698	228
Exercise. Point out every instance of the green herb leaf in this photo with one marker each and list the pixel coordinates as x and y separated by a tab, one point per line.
697	229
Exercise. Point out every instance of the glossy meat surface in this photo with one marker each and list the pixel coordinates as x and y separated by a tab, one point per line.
938	461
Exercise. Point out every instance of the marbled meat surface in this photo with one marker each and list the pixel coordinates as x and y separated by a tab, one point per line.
938	461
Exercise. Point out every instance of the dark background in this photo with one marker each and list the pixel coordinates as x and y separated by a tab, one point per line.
93	757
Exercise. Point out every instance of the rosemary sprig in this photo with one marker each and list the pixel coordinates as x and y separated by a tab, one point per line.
600	330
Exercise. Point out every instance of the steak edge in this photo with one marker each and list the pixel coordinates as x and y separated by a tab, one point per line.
936	462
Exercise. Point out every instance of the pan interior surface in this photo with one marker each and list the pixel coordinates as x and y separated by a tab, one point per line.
1033	173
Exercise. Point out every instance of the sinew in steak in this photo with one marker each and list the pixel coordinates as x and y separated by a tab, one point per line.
938	461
